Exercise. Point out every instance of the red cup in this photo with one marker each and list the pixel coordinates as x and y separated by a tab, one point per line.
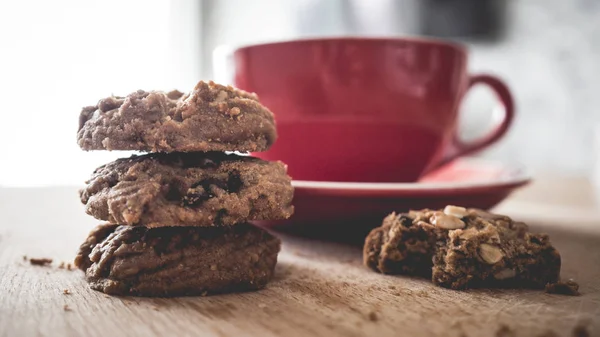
365	109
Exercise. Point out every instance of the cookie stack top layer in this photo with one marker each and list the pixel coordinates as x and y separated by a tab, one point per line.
177	261
212	117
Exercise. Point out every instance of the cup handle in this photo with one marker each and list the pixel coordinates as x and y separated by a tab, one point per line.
460	148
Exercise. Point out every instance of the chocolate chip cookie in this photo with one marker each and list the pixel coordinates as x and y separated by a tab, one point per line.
461	248
212	117
177	261
188	189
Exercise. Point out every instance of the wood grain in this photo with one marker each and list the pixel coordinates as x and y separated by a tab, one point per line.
320	289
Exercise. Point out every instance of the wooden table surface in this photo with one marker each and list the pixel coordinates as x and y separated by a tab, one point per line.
320	289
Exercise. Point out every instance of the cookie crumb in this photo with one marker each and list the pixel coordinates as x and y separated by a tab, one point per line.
581	330
24	257
61	265
505	331
373	316
40	261
569	288
69	267
66	292
423	293
66	308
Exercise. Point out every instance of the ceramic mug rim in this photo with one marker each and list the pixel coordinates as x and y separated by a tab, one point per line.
418	40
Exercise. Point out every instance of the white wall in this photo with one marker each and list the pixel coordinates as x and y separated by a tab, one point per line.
551	60
57	56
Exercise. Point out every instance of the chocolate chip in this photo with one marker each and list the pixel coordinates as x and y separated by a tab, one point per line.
173	193
175	190
234	182
203	190
405	221
219	217
195	199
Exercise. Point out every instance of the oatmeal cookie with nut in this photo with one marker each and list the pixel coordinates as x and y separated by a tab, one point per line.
188	189
212	117
462	248
177	261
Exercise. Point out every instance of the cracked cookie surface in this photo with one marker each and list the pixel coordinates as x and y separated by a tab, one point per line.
188	189
177	261
462	248
212	117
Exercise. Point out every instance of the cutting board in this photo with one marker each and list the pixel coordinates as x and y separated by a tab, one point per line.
319	289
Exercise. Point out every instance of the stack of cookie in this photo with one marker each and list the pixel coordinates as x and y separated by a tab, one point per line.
178	216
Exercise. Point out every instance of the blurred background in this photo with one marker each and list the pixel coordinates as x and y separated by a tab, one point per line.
58	56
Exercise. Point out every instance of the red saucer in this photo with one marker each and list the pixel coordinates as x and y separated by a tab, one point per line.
465	182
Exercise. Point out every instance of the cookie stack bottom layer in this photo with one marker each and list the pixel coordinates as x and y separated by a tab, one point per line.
177	261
